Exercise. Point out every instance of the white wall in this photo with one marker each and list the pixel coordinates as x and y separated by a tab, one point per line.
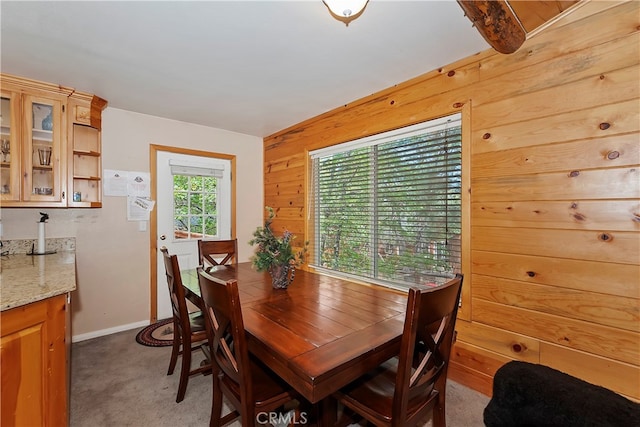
112	255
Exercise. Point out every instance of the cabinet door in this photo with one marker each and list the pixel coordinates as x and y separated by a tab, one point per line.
33	364
10	146
43	155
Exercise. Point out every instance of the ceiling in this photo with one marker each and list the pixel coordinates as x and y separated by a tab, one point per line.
253	67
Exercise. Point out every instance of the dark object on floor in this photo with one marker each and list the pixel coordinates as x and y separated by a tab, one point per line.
527	394
160	334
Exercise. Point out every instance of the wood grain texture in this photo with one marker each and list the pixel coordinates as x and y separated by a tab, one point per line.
552	139
621	215
34	364
595	307
321	332
609	342
496	23
589	276
620	377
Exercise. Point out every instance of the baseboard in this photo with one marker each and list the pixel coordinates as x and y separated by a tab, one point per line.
109	331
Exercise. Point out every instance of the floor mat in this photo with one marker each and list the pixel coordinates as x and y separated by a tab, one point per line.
160	334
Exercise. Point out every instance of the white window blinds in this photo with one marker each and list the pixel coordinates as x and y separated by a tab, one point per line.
388	208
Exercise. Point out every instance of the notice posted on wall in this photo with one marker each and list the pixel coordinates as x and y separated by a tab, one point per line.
138	208
135	186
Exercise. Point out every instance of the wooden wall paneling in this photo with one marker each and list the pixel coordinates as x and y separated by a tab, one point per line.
613	183
615	86
284	163
619	247
471	378
558	71
606	152
597	122
477	358
620	377
549	209
318	132
533	14
613	343
382	112
506	344
283	188
589	276
615	215
469	363
557	42
585	10
595	307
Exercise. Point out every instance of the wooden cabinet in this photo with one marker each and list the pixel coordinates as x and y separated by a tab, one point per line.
34	364
51	145
85	151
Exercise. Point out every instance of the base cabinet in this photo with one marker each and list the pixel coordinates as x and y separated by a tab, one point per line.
34	364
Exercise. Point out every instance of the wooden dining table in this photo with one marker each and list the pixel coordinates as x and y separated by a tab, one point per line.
321	332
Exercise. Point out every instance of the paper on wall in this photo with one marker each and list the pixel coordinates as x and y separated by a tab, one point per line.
138	208
115	182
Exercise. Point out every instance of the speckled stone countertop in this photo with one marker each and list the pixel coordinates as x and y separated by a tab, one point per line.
25	279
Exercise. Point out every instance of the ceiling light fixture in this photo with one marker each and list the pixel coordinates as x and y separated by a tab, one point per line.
345	10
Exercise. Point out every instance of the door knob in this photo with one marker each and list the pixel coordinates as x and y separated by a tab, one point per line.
163	237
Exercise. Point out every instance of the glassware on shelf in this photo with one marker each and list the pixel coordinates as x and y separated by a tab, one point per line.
5	148
44	154
47	123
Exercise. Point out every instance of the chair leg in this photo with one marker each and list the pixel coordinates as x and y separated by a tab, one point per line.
176	348
216	402
439	419
184	371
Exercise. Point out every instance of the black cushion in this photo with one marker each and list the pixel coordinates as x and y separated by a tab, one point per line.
527	394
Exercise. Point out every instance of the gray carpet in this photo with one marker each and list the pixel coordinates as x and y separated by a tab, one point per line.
118	382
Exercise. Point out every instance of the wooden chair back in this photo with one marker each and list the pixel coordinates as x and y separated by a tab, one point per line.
425	348
227	338
176	290
189	332
217	252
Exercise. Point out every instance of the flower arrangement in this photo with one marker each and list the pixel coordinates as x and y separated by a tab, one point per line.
275	254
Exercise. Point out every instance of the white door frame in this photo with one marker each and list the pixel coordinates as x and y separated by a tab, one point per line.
153	219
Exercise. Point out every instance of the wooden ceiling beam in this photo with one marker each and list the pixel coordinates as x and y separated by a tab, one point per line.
496	23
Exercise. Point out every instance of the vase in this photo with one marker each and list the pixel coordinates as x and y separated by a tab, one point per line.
47	123
281	275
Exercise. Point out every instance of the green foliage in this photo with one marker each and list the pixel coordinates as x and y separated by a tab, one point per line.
274	250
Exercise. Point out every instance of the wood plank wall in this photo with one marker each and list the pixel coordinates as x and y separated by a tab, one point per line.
554	243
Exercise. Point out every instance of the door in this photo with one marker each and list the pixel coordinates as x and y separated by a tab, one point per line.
193	202
43	158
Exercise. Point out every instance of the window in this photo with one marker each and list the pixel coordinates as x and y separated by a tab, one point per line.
196	197
388	208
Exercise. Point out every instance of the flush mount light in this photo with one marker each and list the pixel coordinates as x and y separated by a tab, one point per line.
345	10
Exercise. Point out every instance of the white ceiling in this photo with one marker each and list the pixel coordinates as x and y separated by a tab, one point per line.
254	67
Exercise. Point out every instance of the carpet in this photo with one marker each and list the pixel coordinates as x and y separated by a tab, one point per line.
159	334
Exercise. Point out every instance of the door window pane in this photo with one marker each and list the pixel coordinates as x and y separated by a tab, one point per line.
195	207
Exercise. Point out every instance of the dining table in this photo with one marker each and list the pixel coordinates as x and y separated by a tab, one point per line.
318	334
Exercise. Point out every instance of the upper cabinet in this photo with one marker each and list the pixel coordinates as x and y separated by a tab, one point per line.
50	145
85	150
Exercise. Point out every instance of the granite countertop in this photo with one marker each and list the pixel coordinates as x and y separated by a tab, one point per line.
25	279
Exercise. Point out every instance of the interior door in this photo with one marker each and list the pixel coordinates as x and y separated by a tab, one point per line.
193	202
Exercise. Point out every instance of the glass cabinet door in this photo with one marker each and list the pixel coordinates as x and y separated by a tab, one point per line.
42	150
9	146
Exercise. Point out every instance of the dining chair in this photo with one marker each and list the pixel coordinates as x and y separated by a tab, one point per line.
189	330
405	389
251	388
217	252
